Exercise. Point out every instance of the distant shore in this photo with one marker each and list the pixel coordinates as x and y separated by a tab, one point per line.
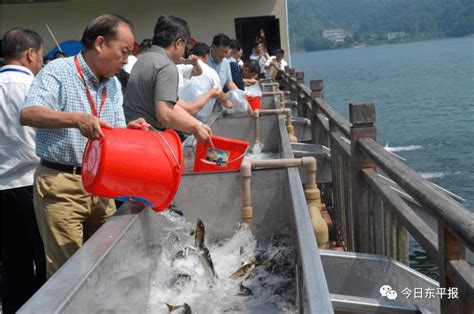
379	43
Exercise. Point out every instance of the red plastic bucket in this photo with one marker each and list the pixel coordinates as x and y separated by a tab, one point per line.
254	102
231	151
138	165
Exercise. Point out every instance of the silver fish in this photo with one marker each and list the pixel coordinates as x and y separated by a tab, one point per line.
244	270
184	308
199	234
207	259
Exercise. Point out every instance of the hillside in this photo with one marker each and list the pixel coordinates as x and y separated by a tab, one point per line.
368	21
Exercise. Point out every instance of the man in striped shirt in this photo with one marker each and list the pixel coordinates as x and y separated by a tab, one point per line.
69	102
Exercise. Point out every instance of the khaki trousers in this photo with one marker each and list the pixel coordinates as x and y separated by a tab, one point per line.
66	214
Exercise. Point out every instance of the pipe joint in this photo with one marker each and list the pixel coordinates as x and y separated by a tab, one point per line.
321	229
311	166
246	212
246	168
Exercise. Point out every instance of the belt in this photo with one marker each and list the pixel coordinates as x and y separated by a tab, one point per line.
60	167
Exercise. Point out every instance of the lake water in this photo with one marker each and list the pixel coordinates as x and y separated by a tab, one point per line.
424	93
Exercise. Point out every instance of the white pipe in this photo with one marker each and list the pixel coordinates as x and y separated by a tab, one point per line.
246	172
286	111
319	224
256	114
308	162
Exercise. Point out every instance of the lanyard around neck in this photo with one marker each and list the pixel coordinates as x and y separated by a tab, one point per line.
89	95
15	70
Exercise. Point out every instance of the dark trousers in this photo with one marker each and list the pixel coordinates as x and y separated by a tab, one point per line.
24	264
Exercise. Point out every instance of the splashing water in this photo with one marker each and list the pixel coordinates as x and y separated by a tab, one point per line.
432	175
408	148
184	278
257	148
258	153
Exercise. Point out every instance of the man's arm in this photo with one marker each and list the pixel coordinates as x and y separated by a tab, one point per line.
197	70
228	76
224	100
271	63
46	118
176	117
199	103
230	85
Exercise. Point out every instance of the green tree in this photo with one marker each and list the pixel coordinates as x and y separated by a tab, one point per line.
364	18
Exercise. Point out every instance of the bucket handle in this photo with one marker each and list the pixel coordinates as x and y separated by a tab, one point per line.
168	145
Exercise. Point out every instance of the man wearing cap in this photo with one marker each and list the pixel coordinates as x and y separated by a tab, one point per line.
70	101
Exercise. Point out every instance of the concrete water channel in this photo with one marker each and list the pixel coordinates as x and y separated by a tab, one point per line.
113	271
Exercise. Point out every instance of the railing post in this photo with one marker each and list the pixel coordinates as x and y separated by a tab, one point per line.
291	72
362	117
300	93
285	82
316	87
302	110
450	248
299	77
293	85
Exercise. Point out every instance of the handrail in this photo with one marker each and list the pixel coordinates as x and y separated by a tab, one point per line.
343	124
414	224
357	161
457	218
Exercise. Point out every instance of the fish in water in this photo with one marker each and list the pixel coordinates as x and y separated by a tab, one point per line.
244	291
244	270
174	208
199	234
207	259
183	308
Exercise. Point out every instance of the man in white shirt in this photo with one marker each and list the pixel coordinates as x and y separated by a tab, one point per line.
260	55
187	69
275	64
201	90
24	268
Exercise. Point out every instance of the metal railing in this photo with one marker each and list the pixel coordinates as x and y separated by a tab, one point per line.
377	199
